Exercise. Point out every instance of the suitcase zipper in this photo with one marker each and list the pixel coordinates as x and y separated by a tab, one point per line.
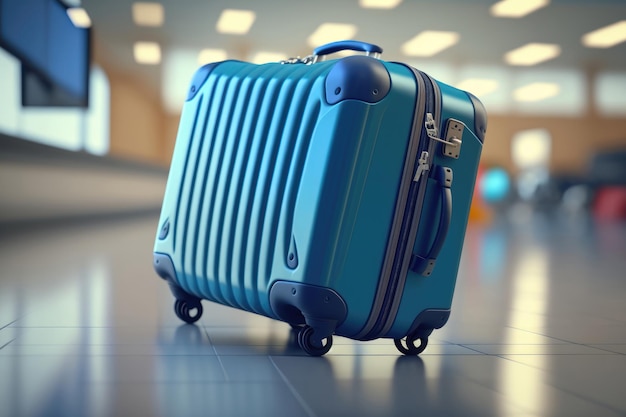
411	193
394	295
431	127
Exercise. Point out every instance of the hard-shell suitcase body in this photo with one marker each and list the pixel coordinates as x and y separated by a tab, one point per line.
331	195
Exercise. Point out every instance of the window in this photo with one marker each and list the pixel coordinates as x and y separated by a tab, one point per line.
610	93
68	128
530	151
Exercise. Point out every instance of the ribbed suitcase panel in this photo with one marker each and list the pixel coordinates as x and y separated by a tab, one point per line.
243	164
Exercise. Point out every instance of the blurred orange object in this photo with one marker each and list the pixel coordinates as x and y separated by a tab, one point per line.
479	212
610	203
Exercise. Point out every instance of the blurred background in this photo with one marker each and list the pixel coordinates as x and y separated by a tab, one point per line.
90	99
105	82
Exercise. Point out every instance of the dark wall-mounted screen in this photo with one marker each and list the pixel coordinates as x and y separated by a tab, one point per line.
55	54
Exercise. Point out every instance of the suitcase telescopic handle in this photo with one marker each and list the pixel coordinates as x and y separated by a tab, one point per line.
330	48
424	265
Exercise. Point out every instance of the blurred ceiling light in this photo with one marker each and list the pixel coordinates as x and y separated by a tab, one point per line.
147	53
478	86
536	92
265	57
532	54
531	148
206	56
429	43
79	17
607	36
235	22
517	8
148	14
379	4
330	32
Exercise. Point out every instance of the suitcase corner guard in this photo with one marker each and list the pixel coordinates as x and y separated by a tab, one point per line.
357	77
427	321
199	78
164	267
296	303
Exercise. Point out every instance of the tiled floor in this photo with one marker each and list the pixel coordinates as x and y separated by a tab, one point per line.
538	328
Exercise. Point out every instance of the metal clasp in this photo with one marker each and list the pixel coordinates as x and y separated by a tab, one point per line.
432	132
307	60
454	134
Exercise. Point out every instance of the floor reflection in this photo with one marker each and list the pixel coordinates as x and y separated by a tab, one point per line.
59	382
88	329
530	293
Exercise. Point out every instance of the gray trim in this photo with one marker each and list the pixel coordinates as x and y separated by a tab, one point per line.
399	212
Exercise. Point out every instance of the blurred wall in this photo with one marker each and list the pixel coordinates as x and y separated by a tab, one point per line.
574	139
143	130
138	119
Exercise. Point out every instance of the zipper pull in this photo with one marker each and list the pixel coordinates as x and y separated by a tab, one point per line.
422	166
431	127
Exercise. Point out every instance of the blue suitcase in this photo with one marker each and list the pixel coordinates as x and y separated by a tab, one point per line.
320	193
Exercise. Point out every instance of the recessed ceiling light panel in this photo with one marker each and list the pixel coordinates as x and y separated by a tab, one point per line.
607	36
148	14
517	8
147	53
206	56
429	43
235	22
331	32
379	4
532	54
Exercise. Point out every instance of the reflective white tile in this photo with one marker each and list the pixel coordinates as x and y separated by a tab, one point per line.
599	379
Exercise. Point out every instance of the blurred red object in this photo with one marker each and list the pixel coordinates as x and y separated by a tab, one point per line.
610	203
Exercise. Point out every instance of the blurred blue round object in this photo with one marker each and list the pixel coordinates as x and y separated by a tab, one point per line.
495	185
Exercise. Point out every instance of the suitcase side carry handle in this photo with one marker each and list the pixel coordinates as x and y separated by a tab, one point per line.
331	48
424	265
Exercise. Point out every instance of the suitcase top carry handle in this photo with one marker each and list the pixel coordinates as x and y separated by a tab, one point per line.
330	48
424	265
